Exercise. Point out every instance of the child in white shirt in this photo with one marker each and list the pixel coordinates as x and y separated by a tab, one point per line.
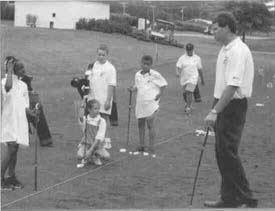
91	146
103	81
149	85
15	129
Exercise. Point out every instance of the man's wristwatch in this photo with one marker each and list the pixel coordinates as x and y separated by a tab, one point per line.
213	111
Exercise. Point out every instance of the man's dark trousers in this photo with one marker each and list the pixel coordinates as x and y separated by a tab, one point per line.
228	129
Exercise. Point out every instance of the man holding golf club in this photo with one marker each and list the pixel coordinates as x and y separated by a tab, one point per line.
234	79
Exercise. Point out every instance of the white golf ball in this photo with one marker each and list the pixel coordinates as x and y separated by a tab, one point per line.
153	156
122	150
130	153
80	165
136	153
145	153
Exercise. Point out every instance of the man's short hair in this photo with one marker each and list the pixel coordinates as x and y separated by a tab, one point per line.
189	47
103	47
226	19
147	58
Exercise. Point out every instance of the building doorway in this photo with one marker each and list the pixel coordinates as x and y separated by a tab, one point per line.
51	24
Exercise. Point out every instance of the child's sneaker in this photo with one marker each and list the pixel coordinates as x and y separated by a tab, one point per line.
152	152
5	185
15	182
97	161
107	143
187	110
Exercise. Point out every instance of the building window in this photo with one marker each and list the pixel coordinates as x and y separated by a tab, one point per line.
53	15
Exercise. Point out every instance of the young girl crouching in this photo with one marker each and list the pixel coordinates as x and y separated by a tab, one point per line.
91	147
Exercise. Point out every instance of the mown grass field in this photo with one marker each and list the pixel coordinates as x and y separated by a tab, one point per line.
54	57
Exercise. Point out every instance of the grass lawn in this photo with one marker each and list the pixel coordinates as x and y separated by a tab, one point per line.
54	57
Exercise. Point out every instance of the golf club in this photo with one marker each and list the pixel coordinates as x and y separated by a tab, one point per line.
37	106
198	167
85	131
129	121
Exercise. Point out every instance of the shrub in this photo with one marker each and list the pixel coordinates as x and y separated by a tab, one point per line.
106	26
127	19
82	24
31	20
121	28
7	11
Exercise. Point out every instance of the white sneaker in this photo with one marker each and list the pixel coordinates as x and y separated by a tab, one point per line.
107	143
97	161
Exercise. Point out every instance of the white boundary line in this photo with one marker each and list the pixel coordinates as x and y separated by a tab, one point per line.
84	174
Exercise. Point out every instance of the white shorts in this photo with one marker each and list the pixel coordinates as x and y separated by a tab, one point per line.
189	87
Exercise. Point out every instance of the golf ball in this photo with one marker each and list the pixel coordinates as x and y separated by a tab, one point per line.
136	153
145	153
122	150
130	153
153	156
80	165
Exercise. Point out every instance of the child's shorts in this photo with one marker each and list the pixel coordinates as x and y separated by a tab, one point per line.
101	151
189	87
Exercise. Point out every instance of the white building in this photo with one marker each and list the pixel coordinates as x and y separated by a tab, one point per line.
61	15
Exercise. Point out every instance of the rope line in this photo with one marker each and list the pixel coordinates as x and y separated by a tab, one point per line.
86	173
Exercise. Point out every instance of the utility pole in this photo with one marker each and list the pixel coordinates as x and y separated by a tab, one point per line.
153	21
182	13
124	7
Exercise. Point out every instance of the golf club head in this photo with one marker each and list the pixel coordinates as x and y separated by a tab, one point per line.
37	106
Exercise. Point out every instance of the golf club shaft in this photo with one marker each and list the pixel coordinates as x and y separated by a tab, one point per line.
85	128
198	167
129	119
35	156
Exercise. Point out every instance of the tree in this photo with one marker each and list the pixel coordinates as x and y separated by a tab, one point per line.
250	16
7	10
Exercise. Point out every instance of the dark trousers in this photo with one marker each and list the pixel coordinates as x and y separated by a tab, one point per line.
228	129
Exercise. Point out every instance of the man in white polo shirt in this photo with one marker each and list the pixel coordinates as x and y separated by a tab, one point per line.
234	79
189	68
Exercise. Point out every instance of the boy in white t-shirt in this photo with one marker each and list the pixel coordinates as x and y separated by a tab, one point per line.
103	81
189	68
149	85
